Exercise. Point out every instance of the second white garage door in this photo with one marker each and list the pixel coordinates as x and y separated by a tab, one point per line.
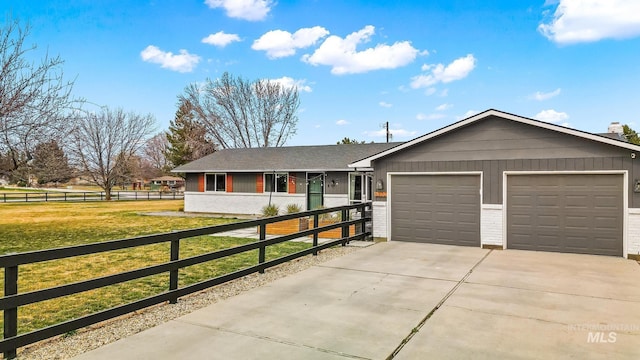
439	209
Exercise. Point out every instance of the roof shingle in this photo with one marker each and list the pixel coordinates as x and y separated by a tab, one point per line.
290	158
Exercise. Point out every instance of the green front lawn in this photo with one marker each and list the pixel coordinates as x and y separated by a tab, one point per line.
36	226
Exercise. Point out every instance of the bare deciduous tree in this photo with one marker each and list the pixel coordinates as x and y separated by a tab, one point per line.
103	144
34	98
242	114
155	151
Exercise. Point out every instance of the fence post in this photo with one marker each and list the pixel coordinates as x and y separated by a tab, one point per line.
10	315
363	220
345	228
46	197
5	197
316	218
173	274
65	197
26	197
262	250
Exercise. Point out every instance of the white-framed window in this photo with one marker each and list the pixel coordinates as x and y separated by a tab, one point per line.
276	182
216	182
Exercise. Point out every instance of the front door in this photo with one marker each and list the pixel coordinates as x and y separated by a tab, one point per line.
360	188
315	191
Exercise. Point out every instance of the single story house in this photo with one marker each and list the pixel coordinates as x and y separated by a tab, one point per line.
498	180
243	181
167	183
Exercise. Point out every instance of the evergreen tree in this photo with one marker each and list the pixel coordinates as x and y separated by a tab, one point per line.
188	139
631	135
348	140
50	164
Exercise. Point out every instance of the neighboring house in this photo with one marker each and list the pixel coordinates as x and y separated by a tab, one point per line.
498	180
243	181
167	183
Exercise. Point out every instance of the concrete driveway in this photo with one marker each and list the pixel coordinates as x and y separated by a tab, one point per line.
416	301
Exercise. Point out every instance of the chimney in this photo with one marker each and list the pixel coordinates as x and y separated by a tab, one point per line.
615	128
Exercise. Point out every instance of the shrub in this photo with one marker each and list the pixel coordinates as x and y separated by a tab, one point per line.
335	216
270	210
293	208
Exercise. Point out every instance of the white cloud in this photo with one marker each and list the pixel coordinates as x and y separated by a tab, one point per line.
469	113
540	96
342	122
443	107
252	10
385	104
288	82
280	43
434	116
220	39
183	62
395	133
552	116
343	57
576	21
430	91
457	70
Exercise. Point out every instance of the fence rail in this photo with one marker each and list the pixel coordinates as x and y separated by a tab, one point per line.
12	300
88	196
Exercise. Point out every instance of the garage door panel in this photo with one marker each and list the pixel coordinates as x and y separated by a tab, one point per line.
444	209
606	223
580	213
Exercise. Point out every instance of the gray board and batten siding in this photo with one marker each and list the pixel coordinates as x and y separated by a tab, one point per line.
340	184
246	182
494	145
191	182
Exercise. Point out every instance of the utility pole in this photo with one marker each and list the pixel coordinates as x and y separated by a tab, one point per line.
386	127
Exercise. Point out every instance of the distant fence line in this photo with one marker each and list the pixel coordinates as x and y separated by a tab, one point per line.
88	196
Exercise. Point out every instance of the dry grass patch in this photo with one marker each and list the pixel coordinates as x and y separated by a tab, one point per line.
36	226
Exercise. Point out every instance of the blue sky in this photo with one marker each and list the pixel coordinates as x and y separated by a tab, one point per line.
420	65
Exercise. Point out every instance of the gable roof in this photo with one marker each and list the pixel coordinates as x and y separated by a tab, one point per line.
366	161
290	158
